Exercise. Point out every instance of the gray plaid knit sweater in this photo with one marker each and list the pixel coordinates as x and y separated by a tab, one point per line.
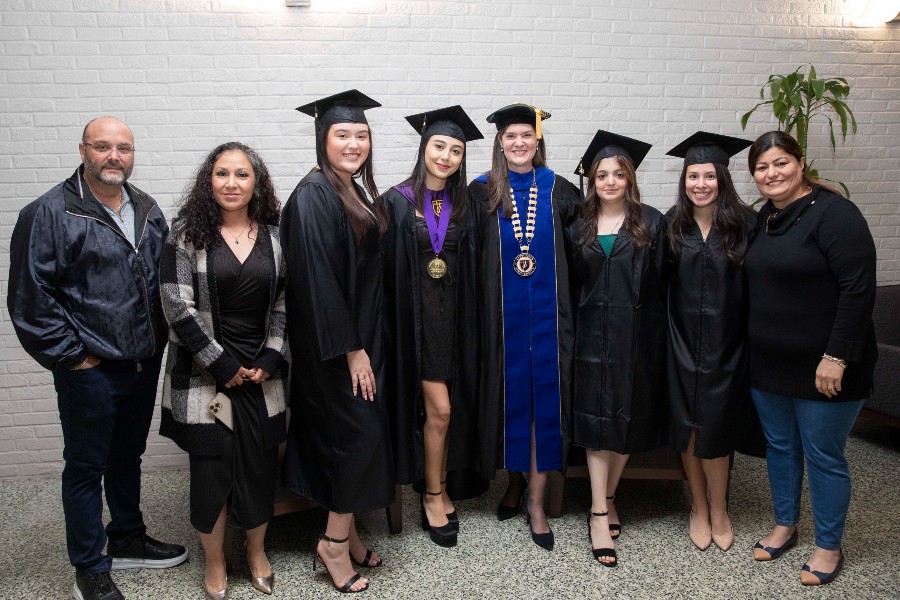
197	365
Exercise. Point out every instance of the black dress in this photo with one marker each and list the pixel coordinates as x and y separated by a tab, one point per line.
620	339
409	319
338	450
709	390
437	304
244	474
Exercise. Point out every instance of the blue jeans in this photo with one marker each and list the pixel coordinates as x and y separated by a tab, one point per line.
105	414
796	428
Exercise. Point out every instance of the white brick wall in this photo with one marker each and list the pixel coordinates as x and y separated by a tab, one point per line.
188	74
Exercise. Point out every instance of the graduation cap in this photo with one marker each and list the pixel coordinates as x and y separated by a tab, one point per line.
346	107
704	147
519	112
451	121
606	144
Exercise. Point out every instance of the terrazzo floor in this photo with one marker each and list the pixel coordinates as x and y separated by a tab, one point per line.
498	560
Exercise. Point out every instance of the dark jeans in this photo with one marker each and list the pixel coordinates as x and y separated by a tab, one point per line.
105	414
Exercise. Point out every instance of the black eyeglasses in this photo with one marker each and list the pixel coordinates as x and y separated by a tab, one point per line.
104	148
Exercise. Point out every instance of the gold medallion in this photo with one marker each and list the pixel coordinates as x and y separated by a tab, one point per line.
437	268
524	264
436	205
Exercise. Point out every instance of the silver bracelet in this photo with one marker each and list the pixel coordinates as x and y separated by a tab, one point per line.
838	361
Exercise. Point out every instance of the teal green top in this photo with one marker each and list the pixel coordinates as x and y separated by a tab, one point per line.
606	242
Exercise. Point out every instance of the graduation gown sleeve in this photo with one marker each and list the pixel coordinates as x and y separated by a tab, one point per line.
310	235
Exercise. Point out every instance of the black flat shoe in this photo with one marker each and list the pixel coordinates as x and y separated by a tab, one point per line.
544	540
445	535
601	552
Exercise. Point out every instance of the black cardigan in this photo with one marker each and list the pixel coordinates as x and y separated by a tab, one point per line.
811	278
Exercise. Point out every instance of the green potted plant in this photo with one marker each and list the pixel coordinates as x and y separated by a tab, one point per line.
797	98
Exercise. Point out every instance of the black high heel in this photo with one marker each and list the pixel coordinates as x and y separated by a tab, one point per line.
615	529
601	552
452	517
445	535
504	512
544	540
344	589
365	562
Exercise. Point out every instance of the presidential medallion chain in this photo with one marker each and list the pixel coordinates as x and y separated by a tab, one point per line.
525	264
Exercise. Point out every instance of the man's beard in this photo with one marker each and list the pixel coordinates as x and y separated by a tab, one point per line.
96	170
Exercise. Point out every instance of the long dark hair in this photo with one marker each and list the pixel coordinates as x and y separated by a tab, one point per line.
727	218
593	206
359	218
498	178
199	211
783	141
456	183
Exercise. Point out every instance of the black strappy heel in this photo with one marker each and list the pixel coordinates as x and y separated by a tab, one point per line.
615	529
601	552
344	589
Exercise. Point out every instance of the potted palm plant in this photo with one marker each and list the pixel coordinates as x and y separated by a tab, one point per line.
797	98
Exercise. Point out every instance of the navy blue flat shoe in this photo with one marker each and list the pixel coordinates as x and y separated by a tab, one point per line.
820	577
775	552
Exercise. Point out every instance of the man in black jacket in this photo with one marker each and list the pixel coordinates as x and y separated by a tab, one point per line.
84	301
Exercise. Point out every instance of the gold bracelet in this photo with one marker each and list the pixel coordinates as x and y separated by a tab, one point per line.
838	361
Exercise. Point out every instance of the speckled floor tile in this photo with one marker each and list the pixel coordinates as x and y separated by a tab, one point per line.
498	560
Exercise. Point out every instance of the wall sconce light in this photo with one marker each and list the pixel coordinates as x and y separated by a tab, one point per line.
300	3
878	12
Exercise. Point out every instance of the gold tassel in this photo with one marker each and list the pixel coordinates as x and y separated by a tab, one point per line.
538	115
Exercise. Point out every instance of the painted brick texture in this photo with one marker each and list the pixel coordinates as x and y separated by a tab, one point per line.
189	74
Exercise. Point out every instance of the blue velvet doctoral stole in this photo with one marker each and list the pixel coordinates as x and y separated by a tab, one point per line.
531	345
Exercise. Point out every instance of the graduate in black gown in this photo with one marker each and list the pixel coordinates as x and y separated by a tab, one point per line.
617	249
709	390
222	277
527	332
338	451
431	316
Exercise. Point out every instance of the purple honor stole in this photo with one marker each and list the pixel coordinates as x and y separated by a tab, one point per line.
437	224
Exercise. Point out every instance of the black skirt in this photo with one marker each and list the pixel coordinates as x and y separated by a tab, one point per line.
243	476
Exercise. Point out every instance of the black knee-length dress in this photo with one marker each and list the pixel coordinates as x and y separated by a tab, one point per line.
437	304
244	474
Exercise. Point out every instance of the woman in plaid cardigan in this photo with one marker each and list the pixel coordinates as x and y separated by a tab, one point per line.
222	284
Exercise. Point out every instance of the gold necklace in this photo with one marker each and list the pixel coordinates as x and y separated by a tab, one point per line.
525	263
615	228
237	237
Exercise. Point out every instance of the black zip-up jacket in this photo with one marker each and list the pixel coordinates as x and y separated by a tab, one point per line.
77	286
